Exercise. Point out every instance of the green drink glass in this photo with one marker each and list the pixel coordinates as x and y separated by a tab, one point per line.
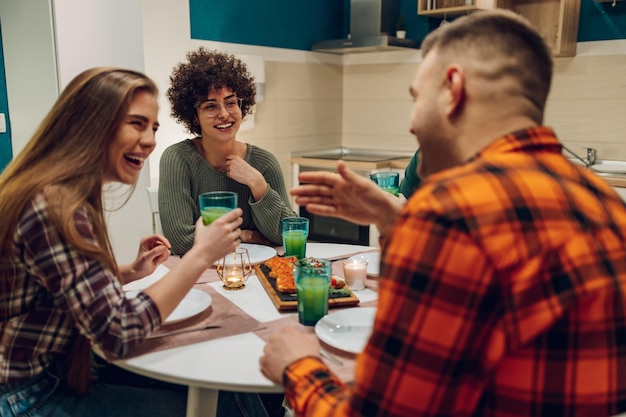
387	180
312	278
295	231
216	203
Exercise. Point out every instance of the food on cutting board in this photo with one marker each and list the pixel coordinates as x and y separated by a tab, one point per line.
338	287
336	282
282	270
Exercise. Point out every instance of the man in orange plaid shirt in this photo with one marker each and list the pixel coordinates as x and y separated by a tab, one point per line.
503	277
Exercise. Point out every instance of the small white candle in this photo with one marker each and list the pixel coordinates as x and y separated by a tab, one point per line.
355	274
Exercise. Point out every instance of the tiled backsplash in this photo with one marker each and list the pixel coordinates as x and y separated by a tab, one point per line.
587	104
316	101
314	105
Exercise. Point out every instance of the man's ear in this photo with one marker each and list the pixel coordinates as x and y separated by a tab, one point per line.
455	82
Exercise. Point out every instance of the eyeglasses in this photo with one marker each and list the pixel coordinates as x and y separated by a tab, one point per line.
212	109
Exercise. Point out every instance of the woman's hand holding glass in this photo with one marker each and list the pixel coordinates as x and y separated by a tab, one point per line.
216	240
215	203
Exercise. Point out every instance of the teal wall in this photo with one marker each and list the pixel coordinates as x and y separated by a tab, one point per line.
601	21
6	153
296	24
292	24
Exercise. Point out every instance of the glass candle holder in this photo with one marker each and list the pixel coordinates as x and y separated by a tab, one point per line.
234	269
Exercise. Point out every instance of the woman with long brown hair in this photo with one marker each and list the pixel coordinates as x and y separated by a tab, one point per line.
60	286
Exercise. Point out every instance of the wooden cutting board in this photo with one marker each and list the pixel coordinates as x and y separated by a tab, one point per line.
289	302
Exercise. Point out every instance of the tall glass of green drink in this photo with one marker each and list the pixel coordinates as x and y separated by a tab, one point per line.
295	231
216	203
312	278
387	180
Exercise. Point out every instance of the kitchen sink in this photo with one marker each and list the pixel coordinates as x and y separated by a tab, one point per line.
606	167
610	167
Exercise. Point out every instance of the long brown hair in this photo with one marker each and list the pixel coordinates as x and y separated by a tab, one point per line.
66	158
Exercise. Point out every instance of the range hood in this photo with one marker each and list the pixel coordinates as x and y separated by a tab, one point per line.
372	23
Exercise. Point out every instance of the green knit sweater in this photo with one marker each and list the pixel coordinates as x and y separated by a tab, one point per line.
184	174
411	181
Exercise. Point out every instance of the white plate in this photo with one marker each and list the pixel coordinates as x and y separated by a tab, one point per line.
333	250
258	253
195	302
347	330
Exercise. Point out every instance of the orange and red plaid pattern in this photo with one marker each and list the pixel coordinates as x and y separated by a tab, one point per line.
503	296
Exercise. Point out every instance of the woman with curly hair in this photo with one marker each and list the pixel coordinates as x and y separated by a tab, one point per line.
210	94
60	285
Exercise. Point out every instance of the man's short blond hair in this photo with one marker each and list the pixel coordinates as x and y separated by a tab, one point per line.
499	43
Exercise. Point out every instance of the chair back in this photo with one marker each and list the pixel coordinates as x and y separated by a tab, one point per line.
153	199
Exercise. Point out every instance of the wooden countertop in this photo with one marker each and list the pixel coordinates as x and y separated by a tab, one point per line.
401	163
397	163
615	181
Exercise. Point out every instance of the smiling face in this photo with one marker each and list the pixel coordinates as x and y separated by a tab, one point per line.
225	124
134	141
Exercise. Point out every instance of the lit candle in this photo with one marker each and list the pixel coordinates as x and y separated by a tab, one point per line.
355	274
234	279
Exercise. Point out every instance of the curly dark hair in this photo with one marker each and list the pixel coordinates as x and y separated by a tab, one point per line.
206	71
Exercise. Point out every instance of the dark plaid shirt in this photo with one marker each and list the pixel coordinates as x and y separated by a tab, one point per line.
503	295
57	292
